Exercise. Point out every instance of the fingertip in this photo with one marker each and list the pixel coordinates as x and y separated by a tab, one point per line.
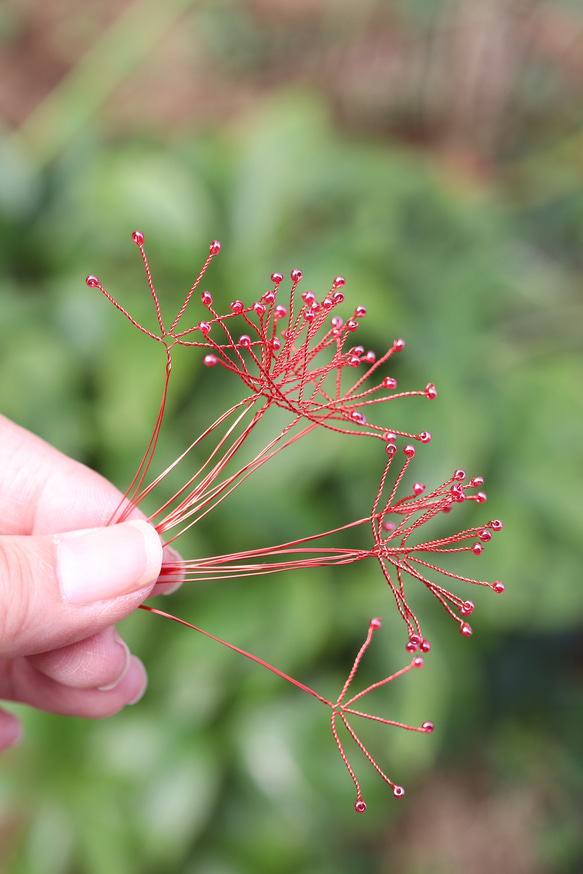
153	550
103	563
172	572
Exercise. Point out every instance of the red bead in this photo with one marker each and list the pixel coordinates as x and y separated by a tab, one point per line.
360	312
268	297
352	325
276	277
477	548
477	481
411	647
237	307
415	638
214	248
458	493
296	275
210	360
424	646
430	391
485	535
409	450
370	357
275	344
398	345
354	361
360	806
388	525
425	437
498	587
280	312
467	608
495	525
391	448
327	303
309	315
389	382
427	727
206	298
259	308
358	417
245	340
459	475
418	488
417	662
480	497
138	238
338	282
389	436
92	282
336	322
375	623
308	297
204	327
466	629
398	791
338	297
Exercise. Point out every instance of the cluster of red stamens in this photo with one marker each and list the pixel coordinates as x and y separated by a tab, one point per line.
297	356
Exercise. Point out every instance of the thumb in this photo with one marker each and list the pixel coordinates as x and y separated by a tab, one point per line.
59	589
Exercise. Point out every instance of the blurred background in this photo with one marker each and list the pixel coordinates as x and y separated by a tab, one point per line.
431	151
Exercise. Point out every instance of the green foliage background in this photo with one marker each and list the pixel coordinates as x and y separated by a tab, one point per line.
222	769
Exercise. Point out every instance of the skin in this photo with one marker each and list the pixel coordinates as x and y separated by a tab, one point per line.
55	655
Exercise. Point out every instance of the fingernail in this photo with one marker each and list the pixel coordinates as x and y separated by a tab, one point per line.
137	668
127	662
103	563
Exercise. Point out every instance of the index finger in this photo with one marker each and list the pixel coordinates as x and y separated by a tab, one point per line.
43	491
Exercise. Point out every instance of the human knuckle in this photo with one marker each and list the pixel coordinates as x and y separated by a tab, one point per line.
16	589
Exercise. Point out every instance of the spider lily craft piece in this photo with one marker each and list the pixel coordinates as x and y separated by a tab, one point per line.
298	356
390	546
339	708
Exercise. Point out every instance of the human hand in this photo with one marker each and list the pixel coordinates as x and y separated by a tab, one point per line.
63	587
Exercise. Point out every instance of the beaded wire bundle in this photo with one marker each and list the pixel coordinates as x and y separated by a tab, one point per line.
298	356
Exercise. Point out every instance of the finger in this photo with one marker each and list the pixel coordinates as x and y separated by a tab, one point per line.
10	730
57	591
171	573
43	491
98	662
20	681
